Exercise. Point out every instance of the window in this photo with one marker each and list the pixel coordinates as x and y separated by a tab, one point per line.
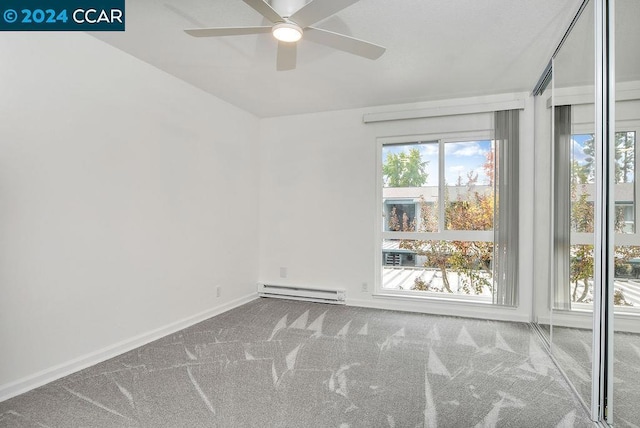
468	181
450	247
582	197
400	215
450	214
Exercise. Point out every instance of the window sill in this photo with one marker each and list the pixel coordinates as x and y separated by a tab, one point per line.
478	301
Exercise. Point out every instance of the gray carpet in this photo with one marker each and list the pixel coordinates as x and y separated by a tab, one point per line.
276	363
572	348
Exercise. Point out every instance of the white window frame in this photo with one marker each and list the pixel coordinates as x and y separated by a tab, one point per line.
442	234
620	239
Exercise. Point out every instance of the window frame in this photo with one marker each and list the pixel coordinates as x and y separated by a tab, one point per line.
620	239
442	235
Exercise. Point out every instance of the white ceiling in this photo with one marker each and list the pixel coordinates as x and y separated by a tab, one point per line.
435	50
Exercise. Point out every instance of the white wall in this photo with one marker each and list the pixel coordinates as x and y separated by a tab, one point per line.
126	196
318	211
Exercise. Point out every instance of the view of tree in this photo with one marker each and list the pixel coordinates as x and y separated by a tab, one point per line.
582	220
467	206
586	169
470	260
397	224
582	217
472	208
625	159
405	169
489	167
582	214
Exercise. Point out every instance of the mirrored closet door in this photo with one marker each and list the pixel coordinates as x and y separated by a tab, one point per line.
625	364
592	320
573	217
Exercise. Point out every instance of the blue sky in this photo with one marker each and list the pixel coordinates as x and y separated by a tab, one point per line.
577	146
578	155
460	159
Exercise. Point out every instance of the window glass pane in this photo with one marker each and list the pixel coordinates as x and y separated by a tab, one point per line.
400	215
626	292
582	182
469	190
410	187
627	276
581	268
448	267
582	161
624	188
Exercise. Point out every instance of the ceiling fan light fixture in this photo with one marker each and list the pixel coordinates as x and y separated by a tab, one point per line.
287	32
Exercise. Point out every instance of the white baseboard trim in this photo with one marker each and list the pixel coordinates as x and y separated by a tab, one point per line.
488	312
43	377
622	322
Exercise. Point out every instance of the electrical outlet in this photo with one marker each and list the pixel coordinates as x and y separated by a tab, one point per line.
283	272
218	291
365	287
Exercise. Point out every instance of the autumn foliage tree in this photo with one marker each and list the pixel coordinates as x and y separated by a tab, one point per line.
471	209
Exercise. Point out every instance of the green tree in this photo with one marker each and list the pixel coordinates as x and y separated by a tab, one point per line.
587	169
624	154
582	214
625	142
405	169
581	270
582	221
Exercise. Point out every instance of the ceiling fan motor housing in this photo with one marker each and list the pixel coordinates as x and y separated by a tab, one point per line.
287	31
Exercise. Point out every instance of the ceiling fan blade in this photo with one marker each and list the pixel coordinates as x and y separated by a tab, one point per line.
344	43
287	53
317	10
264	9
226	31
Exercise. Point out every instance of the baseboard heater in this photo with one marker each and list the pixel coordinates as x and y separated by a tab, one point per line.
321	295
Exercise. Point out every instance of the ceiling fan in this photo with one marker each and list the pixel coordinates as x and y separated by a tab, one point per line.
289	29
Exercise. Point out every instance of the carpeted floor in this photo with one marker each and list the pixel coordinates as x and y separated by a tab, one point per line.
572	349
277	363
